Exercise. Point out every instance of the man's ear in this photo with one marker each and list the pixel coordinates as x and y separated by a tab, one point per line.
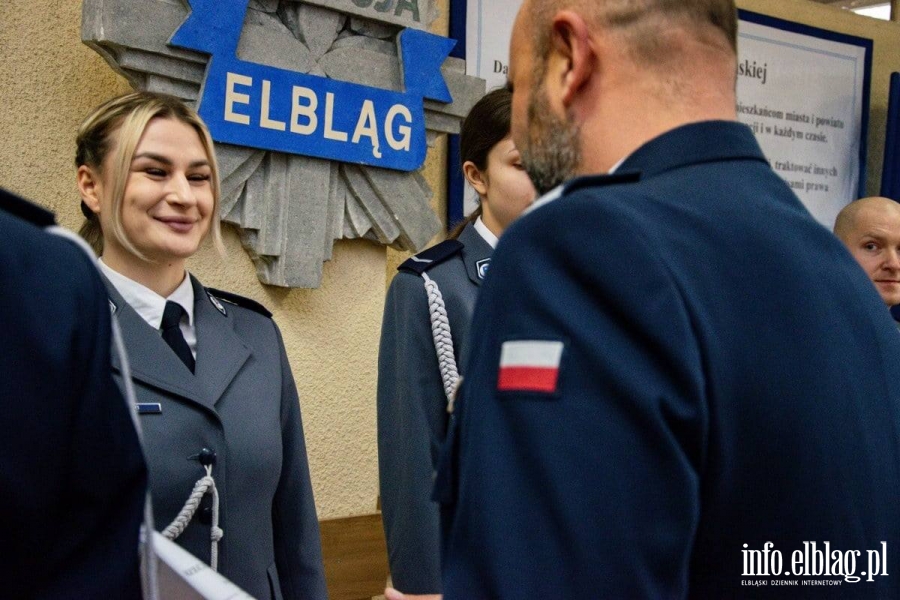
570	42
475	177
89	187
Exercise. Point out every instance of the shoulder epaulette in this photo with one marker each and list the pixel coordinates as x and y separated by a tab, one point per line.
25	210
602	180
435	255
215	295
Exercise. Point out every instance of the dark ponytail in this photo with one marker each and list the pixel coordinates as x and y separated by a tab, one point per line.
486	125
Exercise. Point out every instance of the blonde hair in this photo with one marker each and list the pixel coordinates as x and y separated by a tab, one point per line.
116	126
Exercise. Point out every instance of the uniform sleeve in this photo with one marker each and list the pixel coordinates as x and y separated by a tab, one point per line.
298	548
586	486
73	478
107	476
411	423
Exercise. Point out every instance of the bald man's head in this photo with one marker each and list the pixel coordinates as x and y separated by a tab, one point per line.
870	228
645	22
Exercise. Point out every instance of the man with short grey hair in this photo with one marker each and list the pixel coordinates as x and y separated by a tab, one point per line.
681	387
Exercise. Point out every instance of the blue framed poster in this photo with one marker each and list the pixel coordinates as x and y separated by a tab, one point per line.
803	90
805	93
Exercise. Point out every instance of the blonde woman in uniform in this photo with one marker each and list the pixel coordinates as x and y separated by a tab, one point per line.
217	401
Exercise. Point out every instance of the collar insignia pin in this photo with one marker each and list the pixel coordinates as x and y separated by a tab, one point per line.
217	304
482	267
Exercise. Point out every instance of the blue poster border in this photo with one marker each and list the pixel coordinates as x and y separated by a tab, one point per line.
833	36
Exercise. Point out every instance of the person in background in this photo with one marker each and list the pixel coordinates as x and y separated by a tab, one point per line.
216	397
426	322
72	476
870	228
678	371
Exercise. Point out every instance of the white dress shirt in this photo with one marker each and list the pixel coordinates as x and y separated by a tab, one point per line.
150	305
485	233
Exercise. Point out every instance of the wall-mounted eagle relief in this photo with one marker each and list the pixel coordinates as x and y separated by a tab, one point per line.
321	110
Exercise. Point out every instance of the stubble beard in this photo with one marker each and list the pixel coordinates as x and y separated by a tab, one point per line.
553	152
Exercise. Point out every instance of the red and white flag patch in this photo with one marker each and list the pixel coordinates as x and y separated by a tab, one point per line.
529	366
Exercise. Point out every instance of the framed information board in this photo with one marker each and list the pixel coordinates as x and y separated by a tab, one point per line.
805	93
803	90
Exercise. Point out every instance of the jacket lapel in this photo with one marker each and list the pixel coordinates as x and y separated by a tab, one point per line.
220	352
476	253
151	360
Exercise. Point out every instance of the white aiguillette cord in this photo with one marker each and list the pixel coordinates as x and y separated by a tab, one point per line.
149	584
443	338
177	526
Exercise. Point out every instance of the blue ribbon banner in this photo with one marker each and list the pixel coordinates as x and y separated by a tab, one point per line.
250	104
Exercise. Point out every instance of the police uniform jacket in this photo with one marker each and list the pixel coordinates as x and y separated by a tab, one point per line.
72	477
727	376
240	406
412	405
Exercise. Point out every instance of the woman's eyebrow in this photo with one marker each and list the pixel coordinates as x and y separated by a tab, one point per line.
164	160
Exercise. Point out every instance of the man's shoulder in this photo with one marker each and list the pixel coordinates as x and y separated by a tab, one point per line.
33	256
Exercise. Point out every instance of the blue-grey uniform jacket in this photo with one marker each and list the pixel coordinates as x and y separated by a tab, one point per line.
242	406
412	406
72	476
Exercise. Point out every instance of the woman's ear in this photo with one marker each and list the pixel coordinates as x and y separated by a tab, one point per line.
89	187
475	178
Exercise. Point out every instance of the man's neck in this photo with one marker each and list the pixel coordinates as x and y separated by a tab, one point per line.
633	126
630	105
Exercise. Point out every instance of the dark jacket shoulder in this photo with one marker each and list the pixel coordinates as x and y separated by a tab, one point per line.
427	259
25	210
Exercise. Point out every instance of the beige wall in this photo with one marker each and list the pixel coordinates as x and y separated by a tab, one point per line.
48	82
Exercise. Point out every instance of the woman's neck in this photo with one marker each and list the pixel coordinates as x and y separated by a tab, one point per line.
492	223
161	277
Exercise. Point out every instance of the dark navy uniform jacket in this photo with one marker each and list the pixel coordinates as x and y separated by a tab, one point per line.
72	476
728	377
412	406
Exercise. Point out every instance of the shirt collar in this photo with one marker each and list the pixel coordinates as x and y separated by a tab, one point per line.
616	166
147	303
557	192
485	233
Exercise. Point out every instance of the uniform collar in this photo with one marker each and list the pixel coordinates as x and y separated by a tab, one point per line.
691	144
476	253
147	303
559	190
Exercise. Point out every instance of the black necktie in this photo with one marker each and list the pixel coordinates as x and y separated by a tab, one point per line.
171	333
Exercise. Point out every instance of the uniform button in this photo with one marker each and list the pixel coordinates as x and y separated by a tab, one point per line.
205	515
207	457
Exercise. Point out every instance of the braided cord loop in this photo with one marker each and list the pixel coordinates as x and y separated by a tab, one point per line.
177	526
443	340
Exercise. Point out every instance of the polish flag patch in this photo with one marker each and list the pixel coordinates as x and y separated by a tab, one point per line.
529	366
